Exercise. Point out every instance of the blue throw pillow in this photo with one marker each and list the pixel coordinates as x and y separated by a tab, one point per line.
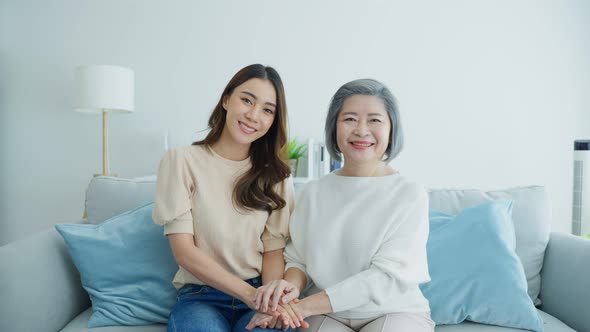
475	273
126	266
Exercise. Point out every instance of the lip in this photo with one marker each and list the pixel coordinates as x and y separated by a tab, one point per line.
246	129
365	145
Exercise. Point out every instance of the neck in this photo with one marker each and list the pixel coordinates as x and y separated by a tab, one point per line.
229	149
366	170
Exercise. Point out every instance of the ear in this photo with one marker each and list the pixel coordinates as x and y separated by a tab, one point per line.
224	102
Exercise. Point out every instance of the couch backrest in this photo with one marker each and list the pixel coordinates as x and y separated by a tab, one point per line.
109	196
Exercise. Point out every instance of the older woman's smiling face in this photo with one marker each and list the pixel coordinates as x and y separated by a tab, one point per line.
362	129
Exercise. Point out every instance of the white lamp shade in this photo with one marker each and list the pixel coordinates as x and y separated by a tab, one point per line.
104	88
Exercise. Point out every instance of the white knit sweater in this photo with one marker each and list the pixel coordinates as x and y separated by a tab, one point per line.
363	241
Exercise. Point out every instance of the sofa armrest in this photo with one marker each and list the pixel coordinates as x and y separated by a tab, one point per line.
565	280
40	286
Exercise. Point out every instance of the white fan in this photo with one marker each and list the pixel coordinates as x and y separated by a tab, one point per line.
581	199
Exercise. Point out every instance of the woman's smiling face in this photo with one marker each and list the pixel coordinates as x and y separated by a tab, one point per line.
363	129
250	110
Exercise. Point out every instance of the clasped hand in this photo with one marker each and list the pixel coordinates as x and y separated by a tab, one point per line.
277	307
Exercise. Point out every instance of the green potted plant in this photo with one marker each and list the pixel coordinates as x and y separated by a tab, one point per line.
295	151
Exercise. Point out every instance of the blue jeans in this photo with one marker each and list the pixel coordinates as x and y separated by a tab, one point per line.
204	308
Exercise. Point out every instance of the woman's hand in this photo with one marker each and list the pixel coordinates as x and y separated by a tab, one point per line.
267	297
279	319
261	320
296	313
284	317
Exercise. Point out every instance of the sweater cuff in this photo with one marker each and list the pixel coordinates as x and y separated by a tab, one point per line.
337	298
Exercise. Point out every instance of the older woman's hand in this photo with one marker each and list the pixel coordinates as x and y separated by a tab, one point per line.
267	297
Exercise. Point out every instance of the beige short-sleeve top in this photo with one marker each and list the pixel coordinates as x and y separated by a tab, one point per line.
194	195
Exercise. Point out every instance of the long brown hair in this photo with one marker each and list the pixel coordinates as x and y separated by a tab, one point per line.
254	190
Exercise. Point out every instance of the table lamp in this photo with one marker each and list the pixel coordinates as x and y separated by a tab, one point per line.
104	89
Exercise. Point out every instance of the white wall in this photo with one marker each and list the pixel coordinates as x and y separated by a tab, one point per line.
492	93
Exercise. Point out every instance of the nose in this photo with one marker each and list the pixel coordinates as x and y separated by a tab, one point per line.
252	114
361	129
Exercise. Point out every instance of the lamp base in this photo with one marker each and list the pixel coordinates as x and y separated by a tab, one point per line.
112	174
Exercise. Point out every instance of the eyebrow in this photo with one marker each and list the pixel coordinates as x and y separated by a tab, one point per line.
256	98
355	113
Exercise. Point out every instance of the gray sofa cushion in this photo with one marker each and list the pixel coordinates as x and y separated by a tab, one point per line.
552	324
531	215
80	323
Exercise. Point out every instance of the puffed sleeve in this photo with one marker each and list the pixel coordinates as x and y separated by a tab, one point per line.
174	189
400	262
276	231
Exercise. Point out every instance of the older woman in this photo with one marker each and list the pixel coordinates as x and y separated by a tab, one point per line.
358	235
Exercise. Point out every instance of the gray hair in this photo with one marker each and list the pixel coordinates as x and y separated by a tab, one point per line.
368	87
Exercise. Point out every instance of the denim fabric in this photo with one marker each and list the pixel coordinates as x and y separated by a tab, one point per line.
204	308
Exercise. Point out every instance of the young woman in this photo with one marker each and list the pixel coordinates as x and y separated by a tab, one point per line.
225	204
359	233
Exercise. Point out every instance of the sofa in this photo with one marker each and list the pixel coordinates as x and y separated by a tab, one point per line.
40	287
